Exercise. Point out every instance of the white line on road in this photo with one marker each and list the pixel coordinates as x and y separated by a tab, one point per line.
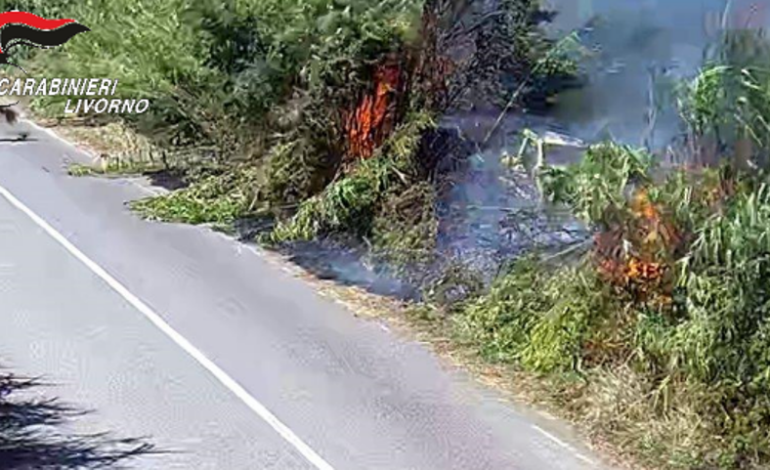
175	336
562	444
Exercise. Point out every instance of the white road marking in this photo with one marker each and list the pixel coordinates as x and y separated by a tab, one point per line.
257	407
562	444
584	458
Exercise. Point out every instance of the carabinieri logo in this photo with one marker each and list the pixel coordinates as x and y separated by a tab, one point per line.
21	27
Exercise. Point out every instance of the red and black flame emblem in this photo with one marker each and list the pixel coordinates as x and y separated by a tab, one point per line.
20	27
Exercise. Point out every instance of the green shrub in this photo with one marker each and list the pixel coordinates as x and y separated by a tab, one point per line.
599	182
500	322
346	206
352	203
557	342
248	56
218	199
536	316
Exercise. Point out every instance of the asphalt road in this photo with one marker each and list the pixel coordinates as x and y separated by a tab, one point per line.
178	333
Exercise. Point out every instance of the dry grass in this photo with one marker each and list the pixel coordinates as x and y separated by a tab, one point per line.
111	140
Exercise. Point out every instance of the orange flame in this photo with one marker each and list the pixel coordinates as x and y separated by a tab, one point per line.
636	255
372	120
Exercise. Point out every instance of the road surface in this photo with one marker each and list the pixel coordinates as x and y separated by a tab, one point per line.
178	333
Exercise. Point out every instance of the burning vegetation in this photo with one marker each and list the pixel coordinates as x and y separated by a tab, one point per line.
393	120
636	254
376	115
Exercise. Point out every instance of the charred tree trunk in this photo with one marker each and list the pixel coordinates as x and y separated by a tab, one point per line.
378	111
420	73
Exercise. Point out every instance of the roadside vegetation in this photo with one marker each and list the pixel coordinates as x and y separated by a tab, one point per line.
316	116
655	336
320	116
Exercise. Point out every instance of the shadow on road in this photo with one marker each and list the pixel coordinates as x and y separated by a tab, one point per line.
32	435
